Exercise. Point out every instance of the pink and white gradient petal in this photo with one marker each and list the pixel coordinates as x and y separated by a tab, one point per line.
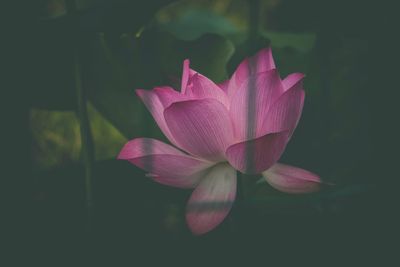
166	164
291	179
212	199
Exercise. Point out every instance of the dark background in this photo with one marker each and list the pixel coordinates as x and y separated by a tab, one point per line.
346	133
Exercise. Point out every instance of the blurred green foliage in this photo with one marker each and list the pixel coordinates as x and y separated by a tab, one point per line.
56	138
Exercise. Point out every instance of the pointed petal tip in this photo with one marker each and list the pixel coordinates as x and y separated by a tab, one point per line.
299	75
201	87
266	54
267	50
293	80
124	153
120	156
140	92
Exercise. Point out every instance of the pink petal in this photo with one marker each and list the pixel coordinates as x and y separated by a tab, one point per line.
291	80
202	87
212	199
261	62
257	155
166	164
201	127
187	73
224	86
168	95
156	108
285	113
291	179
250	103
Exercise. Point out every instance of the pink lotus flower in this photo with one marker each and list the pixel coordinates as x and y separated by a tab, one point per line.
242	124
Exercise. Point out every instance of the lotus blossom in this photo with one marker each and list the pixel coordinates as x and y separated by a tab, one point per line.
242	124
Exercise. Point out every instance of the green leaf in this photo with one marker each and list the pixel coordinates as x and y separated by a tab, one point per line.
119	66
108	13
56	137
57	31
211	61
302	42
193	23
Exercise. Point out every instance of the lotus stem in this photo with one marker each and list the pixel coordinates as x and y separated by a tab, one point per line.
87	148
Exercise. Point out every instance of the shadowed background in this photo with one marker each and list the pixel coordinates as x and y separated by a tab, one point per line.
123	45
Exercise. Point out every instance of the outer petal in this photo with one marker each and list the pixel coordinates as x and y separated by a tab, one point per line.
292	79
261	62
202	87
212	199
250	103
201	127
166	164
156	108
285	113
257	155
291	179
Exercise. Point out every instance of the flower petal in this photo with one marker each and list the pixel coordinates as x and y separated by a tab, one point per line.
257	155
201	127
224	85
187	73
261	62
156	107
285	113
202	87
212	199
168	95
291	80
166	164
291	179
250	104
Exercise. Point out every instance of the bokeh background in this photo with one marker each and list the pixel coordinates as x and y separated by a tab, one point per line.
118	46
